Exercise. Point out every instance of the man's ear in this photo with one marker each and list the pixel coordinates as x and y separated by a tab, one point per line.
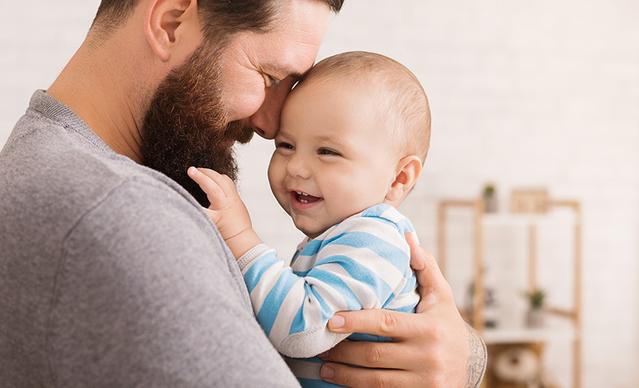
408	170
163	25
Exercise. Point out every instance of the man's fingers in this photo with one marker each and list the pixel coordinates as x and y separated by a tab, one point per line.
433	285
213	191
417	257
383	355
361	377
384	323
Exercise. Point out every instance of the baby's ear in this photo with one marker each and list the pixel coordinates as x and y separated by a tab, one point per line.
408	170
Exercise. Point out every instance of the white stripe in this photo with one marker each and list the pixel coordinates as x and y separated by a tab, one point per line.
331	296
372	226
264	286
381	268
363	291
375	227
304	263
288	309
312	312
403	300
393	215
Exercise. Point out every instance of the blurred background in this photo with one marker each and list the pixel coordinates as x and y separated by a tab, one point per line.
535	106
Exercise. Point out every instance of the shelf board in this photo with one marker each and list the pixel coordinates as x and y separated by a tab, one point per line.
513	219
524	334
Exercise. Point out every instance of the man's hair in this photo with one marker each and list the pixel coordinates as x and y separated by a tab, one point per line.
218	16
398	94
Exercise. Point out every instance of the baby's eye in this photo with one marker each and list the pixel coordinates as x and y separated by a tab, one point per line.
283	145
328	151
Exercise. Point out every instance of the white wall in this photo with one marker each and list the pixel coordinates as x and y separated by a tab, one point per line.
543	92
522	93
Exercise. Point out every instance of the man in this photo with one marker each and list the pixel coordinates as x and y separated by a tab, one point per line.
110	273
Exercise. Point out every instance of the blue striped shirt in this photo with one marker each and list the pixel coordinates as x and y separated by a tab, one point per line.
361	263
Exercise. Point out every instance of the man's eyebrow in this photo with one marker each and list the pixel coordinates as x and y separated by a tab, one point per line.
284	71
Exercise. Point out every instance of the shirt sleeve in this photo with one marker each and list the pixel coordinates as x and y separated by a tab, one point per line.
363	265
145	296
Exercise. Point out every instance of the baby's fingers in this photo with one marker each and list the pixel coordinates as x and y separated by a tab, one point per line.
213	191
225	183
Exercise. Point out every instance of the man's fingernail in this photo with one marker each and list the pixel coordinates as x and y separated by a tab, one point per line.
327	372
192	171
337	322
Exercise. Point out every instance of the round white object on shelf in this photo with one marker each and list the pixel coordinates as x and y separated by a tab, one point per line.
517	365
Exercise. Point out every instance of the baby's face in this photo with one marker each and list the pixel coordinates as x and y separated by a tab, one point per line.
333	156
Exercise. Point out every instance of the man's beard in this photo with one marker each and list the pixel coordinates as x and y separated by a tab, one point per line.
186	124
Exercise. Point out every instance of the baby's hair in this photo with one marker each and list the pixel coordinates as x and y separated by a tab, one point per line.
403	99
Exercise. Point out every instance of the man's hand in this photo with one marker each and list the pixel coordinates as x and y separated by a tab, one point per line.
433	348
227	210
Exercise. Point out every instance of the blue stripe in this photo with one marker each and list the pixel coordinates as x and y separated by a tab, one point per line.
314	246
406	309
314	360
359	272
335	282
381	248
385	221
411	283
303	274
312	383
311	248
376	211
369	338
325	309
298	325
256	270
405	226
271	306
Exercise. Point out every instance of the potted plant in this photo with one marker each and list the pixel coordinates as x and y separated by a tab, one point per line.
489	196
535	313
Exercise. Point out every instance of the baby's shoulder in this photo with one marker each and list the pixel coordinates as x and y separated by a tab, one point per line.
379	222
385	213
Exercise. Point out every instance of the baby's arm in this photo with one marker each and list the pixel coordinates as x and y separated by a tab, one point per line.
227	210
355	270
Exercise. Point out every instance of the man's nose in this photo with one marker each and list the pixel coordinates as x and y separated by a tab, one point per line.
266	121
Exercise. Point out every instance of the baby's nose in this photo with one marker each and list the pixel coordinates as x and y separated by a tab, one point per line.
296	167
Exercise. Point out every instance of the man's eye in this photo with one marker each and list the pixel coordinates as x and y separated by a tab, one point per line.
283	145
270	81
328	151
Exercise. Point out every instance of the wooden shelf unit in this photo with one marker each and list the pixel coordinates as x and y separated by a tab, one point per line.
573	315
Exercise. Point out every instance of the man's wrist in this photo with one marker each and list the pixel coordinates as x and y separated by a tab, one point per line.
477	359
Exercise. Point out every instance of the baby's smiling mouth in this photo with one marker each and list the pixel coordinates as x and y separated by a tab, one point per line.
304	198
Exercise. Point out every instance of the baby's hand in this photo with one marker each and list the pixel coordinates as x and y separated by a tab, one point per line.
227	210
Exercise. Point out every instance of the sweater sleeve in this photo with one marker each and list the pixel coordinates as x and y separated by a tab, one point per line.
362	265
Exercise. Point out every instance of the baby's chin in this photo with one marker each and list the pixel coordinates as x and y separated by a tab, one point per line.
310	232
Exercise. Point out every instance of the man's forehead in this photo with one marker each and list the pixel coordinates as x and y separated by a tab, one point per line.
297	34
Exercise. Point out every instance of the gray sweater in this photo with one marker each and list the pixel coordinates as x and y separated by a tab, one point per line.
110	273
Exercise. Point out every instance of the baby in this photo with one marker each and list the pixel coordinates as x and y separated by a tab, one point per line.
354	134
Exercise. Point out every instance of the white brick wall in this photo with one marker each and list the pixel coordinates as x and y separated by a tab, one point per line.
522	93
